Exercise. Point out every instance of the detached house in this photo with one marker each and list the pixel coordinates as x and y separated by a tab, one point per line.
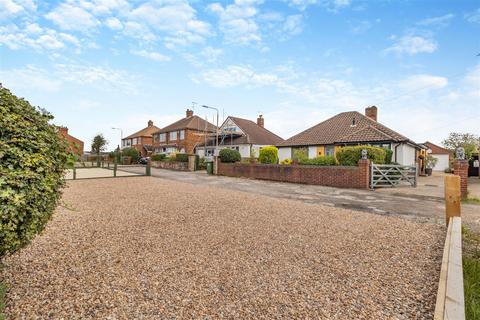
183	135
141	140
349	129
75	145
242	135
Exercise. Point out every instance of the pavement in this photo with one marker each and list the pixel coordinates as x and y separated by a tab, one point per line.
422	204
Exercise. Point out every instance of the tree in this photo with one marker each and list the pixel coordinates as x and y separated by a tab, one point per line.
468	141
99	144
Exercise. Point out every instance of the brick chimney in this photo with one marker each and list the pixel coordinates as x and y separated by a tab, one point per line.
63	130
371	112
261	121
189	113
150	123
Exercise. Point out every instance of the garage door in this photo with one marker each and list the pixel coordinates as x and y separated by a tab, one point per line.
443	162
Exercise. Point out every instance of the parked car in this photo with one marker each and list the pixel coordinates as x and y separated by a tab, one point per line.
143	160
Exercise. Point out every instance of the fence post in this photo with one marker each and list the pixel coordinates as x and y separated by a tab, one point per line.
74	173
115	169
452	197
148	168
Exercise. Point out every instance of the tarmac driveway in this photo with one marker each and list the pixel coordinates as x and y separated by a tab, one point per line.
419	205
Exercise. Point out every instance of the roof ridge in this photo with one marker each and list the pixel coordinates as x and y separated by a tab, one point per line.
363	129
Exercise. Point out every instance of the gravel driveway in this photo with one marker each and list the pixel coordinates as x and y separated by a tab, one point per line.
155	249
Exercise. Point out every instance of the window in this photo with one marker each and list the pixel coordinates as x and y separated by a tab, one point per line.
182	134
134	141
163	137
129	142
329	150
123	143
173	135
155	137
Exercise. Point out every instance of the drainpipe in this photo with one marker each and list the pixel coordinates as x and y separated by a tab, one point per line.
395	148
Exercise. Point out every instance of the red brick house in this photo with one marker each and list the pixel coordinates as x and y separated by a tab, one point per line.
141	140
75	145
183	135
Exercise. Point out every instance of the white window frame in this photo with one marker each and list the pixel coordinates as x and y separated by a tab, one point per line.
182	134
162	137
174	137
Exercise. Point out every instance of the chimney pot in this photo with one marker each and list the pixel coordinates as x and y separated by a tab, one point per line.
189	113
371	112
63	130
261	121
150	123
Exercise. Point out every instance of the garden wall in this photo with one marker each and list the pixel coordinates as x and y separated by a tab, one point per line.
171	165
333	176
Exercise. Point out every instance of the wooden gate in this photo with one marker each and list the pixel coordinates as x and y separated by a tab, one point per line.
392	175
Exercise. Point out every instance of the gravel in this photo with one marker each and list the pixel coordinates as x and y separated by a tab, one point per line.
150	248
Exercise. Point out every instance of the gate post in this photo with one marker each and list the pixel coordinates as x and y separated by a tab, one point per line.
460	167
148	168
364	167
452	197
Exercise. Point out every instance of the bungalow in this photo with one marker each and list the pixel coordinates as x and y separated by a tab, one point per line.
346	129
243	135
443	155
183	135
141	140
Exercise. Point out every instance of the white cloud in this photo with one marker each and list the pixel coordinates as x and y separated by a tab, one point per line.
30	78
361	27
412	44
441	21
293	24
473	17
12	8
152	55
236	76
211	54
423	82
139	31
113	23
70	17
237	21
331	5
33	36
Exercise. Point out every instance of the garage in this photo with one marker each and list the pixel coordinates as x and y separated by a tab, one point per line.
443	155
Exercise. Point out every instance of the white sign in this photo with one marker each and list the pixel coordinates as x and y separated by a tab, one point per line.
476	163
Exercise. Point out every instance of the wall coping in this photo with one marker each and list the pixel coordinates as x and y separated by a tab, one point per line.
287	165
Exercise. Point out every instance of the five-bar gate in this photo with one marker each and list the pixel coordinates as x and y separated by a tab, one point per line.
392	175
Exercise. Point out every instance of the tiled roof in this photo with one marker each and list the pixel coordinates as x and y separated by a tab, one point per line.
345	127
193	122
145	132
436	149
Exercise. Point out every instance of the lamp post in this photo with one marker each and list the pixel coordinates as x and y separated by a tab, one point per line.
216	129
121	135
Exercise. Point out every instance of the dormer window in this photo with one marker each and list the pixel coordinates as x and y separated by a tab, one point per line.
354	123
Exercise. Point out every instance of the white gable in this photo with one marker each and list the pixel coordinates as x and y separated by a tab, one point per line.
230	127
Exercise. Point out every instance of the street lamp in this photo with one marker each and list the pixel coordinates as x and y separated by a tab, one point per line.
216	130
121	135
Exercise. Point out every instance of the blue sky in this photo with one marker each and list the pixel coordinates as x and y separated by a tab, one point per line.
97	64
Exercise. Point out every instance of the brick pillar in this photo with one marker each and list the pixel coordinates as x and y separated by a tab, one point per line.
461	169
364	167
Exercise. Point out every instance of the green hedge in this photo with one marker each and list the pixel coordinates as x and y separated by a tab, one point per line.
32	162
349	156
229	155
158	157
131	152
268	155
319	161
181	157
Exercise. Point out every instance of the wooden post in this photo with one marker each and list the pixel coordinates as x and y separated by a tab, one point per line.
148	168
115	169
74	173
452	197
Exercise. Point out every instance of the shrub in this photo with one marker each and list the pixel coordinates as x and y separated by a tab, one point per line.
32	162
158	157
319	161
202	164
431	161
268	155
287	161
388	156
181	157
131	152
349	156
229	155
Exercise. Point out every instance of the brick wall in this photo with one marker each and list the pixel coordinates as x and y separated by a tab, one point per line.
192	139
75	145
460	168
333	176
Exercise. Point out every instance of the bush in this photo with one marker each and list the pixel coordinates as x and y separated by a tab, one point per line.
319	161
287	161
181	157
158	157
229	155
131	152
32	162
388	156
202	164
268	155
349	156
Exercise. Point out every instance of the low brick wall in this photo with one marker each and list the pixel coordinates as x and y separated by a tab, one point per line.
333	176
171	165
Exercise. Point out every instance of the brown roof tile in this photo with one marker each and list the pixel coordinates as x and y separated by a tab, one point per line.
340	129
193	122
145	132
436	149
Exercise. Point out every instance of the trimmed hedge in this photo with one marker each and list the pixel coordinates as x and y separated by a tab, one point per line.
349	156
33	158
181	157
158	157
319	161
268	155
388	156
229	155
131	152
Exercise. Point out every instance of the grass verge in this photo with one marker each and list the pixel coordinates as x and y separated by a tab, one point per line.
472	200
471	273
3	292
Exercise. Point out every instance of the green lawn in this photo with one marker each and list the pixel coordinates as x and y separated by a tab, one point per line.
471	273
3	291
472	200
